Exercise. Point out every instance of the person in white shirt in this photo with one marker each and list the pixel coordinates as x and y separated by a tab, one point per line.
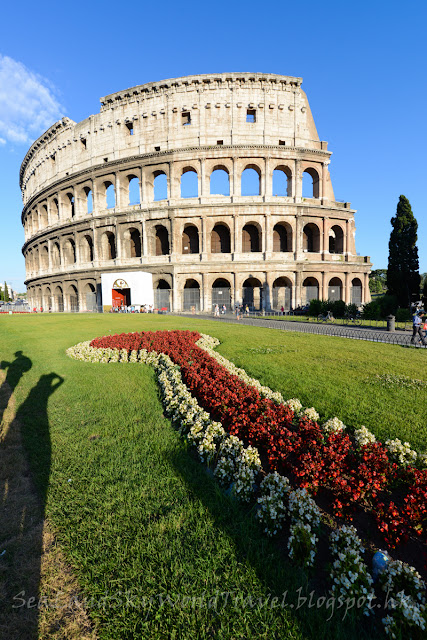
417	322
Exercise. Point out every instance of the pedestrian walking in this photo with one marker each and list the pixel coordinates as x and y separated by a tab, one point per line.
216	312
417	323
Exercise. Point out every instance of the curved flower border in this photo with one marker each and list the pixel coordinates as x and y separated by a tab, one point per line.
238	469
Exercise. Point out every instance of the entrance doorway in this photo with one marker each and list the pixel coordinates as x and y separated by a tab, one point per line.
121	297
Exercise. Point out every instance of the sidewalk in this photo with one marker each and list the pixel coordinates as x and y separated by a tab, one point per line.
355	333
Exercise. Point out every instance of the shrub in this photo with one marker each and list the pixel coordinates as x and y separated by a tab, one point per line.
403	315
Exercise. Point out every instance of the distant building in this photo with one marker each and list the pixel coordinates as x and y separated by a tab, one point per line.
97	223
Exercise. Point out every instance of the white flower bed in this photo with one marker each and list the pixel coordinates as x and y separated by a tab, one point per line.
333	425
406	598
401	453
350	577
363	436
272	502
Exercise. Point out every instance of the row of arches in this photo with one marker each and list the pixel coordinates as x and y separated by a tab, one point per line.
220	241
156	187
253	293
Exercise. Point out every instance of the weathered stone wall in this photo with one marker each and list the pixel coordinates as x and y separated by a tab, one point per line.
198	123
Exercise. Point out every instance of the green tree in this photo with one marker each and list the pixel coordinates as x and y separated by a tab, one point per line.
6	297
403	278
377	281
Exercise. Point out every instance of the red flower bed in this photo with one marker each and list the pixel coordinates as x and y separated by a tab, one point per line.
363	477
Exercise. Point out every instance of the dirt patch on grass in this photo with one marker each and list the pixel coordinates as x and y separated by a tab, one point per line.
40	598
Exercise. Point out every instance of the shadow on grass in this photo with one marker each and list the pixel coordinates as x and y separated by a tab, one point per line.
25	461
277	575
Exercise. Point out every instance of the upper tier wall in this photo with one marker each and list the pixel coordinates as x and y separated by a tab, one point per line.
174	114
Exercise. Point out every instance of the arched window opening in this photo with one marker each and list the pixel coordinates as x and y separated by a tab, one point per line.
133	191
55	211
252	293
73	299
311	238
335	289
221	294
251	241
336	240
282	294
189	183
281	182
110	195
282	238
58	299
191	296
89	200
219	182
251	182
310	290
47	299
89	297
43	216
162	296
44	258
220	239
71	207
160	186
190	240
108	244
356	291
86	249
56	255
162	241
310	184
69	252
135	243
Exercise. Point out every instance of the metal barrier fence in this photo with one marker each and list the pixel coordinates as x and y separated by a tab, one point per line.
354	333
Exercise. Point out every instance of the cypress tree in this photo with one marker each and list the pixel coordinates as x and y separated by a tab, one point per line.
403	278
6	293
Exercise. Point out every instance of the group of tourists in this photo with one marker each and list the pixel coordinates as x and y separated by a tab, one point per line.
123	308
419	327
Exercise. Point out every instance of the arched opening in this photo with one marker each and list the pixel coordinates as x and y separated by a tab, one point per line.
252	293
190	240
311	238
162	295
135	244
71	207
335	289
86	249
108	246
160	186
133	190
44	258
220	182
356	291
336	240
310	183
310	290
89	199
110	195
251	239
89	297
221	294
189	183
55	211
220	239
73	299
58	299
162	241
282	182
251	181
47	299
36	260
69	252
282	293
43	217
282	237
56	255
191	296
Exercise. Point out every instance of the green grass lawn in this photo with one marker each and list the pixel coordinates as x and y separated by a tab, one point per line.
138	518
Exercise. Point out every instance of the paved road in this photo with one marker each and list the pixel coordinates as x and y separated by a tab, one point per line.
355	333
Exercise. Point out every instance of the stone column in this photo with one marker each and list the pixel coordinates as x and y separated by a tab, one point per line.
268	179
297	183
325	277
117	189
365	288
173	183
205	294
325	238
175	295
235	185
298	280
323	183
298	237
347	287
268	243
145	251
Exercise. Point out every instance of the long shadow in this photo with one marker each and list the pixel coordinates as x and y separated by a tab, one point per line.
269	560
25	463
15	371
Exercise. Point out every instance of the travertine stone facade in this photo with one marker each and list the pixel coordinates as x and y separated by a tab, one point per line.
92	199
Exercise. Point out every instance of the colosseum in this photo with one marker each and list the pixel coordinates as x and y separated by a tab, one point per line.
187	193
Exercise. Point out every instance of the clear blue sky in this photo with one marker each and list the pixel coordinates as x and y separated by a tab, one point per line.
363	66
